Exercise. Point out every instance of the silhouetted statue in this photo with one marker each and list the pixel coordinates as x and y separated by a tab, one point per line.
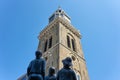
36	68
51	75
66	73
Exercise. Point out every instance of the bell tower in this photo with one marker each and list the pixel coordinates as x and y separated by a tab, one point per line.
58	40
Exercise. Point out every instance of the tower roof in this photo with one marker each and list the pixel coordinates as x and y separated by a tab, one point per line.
59	13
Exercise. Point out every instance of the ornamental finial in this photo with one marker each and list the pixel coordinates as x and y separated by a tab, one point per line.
59	7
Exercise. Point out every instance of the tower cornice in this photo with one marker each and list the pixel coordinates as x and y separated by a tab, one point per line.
62	21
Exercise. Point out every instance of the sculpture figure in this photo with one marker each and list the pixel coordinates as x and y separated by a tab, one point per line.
66	73
36	68
51	75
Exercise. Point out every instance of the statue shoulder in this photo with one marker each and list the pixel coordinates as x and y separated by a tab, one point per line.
32	60
72	71
42	59
61	70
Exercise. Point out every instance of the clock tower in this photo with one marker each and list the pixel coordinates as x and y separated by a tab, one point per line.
58	40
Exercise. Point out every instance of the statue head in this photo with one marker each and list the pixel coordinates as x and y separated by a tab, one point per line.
67	62
38	54
51	70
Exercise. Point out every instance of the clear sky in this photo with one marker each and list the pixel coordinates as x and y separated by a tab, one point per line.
98	21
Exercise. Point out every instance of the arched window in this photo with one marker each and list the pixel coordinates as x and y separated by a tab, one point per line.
50	42
68	41
73	44
45	48
78	77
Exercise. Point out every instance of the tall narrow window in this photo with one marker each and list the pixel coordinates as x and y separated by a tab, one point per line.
45	48
68	41
50	42
73	44
78	77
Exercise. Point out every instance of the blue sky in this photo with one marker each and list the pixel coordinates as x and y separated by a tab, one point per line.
98	21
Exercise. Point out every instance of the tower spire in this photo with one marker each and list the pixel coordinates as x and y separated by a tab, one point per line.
59	7
59	13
